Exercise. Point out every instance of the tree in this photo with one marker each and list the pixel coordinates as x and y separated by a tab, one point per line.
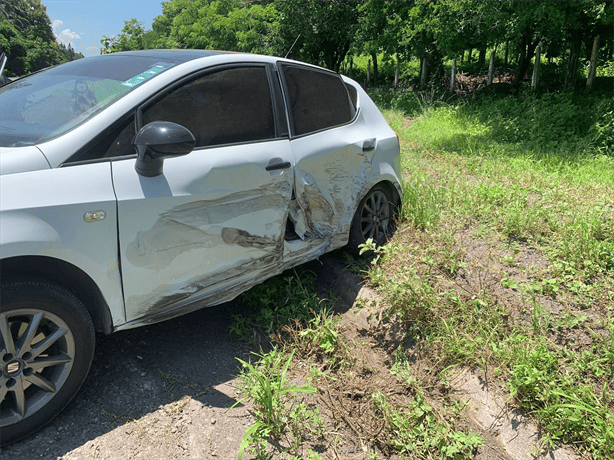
203	24
227	25
380	31
131	38
319	32
27	37
16	48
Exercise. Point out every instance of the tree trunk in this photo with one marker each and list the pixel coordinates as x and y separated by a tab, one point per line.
368	73
351	67
396	72
491	66
535	77
375	71
424	76
572	66
482	58
469	55
527	48
462	57
453	78
593	70
507	50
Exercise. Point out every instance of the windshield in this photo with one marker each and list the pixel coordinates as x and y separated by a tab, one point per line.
47	104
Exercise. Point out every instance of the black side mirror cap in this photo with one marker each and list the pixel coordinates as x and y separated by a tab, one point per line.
159	140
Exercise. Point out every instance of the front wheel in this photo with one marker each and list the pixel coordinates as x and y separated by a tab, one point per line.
45	354
374	219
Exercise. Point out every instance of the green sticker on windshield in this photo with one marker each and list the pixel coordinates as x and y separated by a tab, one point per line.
140	78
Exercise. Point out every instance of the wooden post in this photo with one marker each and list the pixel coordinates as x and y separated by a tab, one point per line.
453	78
491	66
368	73
593	70
396	73
535	78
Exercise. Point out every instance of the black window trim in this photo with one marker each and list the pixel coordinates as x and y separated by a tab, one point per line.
128	117
136	112
286	95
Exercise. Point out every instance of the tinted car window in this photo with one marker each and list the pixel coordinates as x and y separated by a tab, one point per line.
318	100
228	106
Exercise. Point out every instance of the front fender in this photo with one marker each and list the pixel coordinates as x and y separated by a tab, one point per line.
42	214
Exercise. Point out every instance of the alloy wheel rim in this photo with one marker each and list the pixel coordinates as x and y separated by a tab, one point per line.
375	217
37	352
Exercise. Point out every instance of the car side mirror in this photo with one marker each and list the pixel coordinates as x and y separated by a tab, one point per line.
159	140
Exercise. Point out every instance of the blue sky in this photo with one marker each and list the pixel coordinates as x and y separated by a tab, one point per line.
82	23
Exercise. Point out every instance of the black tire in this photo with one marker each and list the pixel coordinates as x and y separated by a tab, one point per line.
374	219
45	354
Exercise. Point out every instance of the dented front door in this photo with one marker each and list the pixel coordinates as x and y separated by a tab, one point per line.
209	227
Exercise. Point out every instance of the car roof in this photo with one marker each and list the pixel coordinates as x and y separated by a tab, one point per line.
175	54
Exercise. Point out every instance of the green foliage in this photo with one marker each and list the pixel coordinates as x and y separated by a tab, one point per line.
571	412
325	32
318	32
225	25
277	411
281	300
422	202
321	332
526	172
131	38
420	433
27	38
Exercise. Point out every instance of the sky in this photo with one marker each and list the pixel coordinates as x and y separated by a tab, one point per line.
82	23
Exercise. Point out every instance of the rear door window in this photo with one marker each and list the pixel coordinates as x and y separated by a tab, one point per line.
317	99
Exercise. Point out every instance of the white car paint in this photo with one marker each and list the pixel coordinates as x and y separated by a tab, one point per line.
42	210
212	222
43	214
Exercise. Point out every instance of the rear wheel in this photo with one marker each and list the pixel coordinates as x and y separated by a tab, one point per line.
374	219
45	354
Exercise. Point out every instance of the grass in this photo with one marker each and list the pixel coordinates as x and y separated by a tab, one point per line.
503	261
278	412
521	175
289	424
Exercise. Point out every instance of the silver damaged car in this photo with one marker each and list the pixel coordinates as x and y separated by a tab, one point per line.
139	186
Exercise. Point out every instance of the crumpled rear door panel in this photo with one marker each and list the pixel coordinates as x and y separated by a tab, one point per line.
329	181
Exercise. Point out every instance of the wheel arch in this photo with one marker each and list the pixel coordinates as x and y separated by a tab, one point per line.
390	185
395	191
64	274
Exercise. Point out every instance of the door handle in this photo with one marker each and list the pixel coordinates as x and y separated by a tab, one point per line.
275	166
